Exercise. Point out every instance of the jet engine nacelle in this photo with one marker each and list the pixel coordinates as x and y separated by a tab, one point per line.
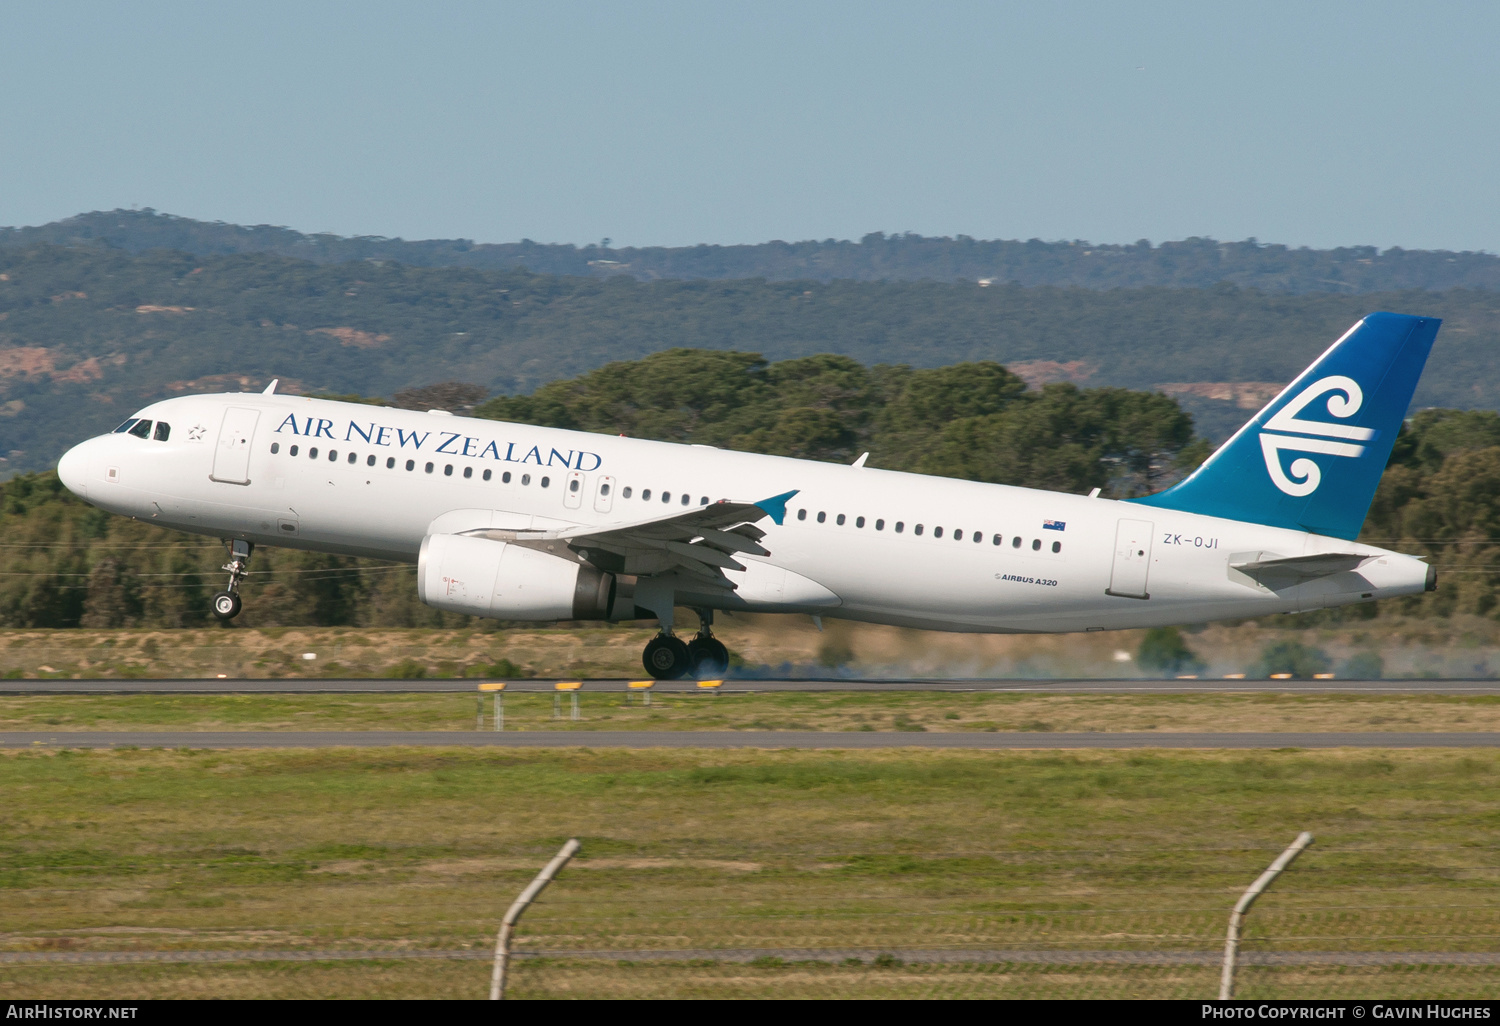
506	581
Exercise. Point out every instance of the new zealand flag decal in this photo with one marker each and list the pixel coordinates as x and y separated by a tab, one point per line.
1054	525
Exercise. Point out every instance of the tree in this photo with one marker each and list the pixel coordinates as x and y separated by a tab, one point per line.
1162	650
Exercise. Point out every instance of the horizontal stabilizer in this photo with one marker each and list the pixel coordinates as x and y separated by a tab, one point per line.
1304	568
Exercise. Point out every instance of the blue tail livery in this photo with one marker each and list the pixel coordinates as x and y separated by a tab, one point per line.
1311	460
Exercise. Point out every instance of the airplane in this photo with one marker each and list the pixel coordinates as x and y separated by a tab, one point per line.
527	523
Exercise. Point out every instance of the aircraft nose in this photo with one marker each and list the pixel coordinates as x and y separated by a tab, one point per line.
72	469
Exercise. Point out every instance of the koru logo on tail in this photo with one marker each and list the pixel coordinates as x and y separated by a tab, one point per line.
1331	440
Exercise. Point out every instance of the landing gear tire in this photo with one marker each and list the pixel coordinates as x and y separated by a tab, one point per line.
709	656
226	605
666	658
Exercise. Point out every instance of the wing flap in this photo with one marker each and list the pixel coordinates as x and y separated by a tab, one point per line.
701	541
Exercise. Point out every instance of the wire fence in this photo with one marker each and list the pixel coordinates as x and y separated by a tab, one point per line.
1399	922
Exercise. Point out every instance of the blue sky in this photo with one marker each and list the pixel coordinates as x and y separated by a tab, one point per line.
1315	124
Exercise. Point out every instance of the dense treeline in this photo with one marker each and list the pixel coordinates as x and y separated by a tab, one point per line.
64	563
88	335
975	420
1189	263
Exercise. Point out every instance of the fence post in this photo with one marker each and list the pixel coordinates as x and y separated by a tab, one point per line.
513	914
1241	907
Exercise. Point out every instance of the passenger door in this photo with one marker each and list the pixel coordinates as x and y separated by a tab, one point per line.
1132	563
232	454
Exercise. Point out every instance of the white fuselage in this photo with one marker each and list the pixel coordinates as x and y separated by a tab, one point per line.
1057	560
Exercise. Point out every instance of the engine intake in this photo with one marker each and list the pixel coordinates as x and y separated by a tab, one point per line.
506	581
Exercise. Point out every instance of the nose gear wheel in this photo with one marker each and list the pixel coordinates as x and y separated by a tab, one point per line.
226	604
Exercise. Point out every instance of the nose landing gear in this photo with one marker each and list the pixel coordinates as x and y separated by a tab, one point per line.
226	603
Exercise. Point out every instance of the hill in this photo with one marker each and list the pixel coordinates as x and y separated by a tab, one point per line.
1188	263
87	335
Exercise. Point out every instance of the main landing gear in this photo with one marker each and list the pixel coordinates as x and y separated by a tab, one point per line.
667	657
226	603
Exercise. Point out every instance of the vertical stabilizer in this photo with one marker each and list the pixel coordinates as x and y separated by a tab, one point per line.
1311	460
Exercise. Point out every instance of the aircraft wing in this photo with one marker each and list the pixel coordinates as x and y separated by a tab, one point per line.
1305	568
700	542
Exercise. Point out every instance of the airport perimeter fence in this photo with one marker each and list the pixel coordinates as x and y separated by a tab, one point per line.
1367	922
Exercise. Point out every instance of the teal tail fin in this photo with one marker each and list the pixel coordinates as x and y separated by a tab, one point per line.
1311	460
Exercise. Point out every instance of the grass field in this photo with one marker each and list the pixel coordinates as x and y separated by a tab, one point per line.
853	854
832	711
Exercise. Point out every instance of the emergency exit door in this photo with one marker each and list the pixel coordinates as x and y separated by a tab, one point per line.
232	454
1132	564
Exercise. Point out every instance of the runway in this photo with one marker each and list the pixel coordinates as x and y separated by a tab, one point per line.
788	739
316	686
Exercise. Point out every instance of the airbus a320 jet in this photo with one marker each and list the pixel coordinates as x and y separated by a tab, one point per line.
528	523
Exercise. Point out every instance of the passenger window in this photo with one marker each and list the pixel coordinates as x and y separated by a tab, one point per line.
448	470
1015	542
822	517
937	532
666	496
333	455
626	492
125	426
429	468
859	522
390	463
411	464
275	448
1036	543
604	488
546	481
573	485
840	520
487	474
526	479
505	478
312	453
468	472
958	535
880	525
353	458
1057	546
686	498
802	514
703	501
900	526
645	495
370	460
163	431
978	537
917	529
142	429
997	539
292	451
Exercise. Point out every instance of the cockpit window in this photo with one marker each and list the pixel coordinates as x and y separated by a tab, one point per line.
125	426
163	431
142	429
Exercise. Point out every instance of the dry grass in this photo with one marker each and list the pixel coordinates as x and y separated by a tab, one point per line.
838	711
1461	646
